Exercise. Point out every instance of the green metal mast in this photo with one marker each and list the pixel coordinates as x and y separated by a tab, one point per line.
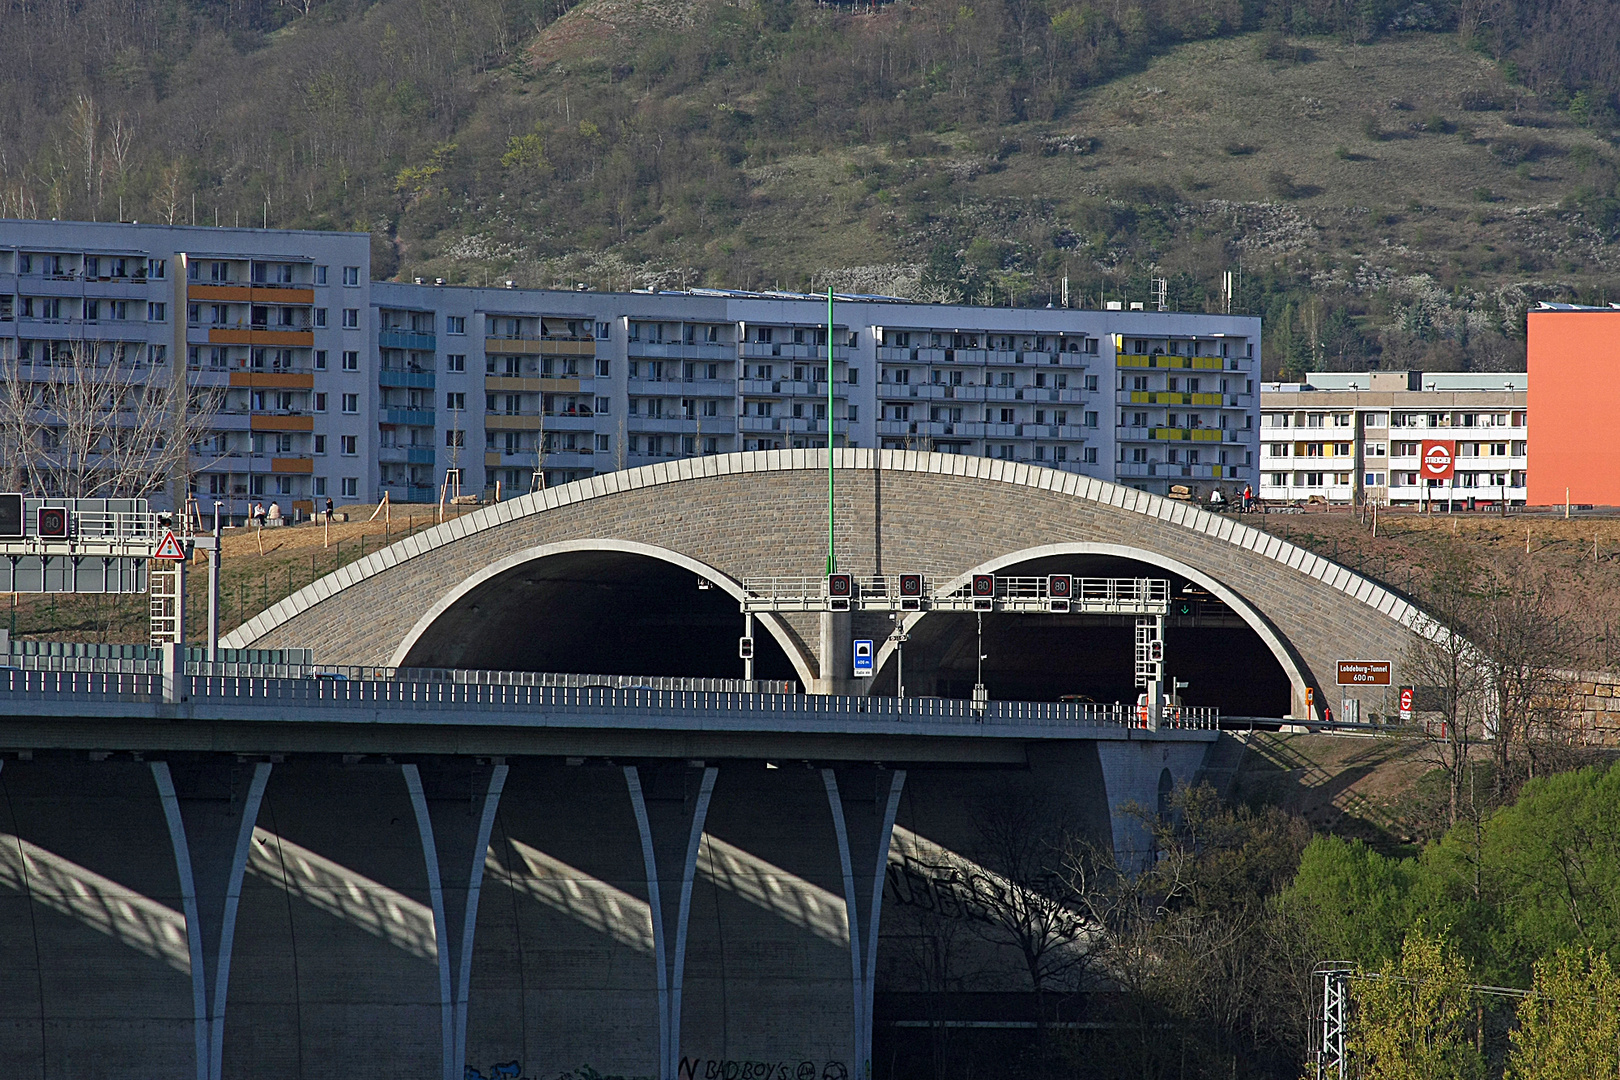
832	555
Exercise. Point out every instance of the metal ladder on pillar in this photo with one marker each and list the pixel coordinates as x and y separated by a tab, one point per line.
164	597
1149	650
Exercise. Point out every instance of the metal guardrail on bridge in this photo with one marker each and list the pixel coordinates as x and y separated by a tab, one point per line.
282	696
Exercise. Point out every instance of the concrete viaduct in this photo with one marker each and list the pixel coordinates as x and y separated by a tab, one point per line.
475	589
317	878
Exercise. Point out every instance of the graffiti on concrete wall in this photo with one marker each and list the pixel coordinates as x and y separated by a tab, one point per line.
700	1068
950	890
510	1070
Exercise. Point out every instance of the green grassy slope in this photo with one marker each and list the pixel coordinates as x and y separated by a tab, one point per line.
1389	197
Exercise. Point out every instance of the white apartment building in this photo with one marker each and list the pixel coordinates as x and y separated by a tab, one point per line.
1353	437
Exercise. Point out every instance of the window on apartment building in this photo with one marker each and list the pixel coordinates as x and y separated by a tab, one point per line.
1091	419
351	487
320	275
601	406
455	362
320	359
351	360
351	403
455	324
351	275
320	317
455	402
348	445
351	318
156	312
320	444
603	444
157	354
455	437
602	331
157	268
852	413
193	314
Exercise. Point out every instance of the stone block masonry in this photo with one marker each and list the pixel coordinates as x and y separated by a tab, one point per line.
764	514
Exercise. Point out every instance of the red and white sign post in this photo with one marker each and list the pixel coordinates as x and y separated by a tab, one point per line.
1439	462
1406	703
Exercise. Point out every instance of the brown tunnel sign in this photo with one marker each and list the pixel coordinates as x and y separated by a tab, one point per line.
1364	672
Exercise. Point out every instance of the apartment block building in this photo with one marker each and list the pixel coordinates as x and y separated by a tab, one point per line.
272	324
1400	438
490	386
331	385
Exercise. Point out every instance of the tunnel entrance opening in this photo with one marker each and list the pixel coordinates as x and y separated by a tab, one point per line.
602	613
1091	657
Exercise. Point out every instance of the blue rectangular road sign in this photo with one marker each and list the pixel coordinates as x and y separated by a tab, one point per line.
863	658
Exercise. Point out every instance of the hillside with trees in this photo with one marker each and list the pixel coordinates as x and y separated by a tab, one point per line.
1395	182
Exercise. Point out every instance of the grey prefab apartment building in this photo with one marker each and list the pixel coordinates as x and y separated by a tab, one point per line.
330	385
274	325
491	385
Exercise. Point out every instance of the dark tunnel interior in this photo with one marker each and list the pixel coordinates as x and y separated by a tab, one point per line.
620	613
1222	660
602	613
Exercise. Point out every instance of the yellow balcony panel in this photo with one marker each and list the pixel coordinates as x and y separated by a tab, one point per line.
512	346
1204	399
512	384
1205	435
273	380
564	347
297	466
263	422
495	422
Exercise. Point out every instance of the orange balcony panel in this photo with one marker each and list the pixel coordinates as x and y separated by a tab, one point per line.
235	294
273	380
294	338
492	460
284	296
263	422
295	465
306	505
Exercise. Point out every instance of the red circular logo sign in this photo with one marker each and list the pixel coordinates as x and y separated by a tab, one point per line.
1436	460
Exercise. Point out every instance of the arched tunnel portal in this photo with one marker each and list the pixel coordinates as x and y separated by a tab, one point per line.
601	608
1213	648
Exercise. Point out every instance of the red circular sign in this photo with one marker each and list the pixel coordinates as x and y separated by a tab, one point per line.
1437	460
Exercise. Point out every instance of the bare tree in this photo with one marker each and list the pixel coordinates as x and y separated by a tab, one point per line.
1453	669
1530	638
98	420
1022	890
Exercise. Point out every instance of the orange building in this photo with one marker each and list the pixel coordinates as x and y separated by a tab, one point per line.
1574	405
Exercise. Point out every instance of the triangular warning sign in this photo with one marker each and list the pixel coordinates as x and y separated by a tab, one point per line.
169	548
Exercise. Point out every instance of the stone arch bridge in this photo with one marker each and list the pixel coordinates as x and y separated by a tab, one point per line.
530	583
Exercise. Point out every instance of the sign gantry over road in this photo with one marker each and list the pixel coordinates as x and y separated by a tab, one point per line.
1364	672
